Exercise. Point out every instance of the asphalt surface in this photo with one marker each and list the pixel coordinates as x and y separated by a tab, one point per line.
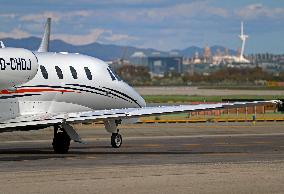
154	158
159	144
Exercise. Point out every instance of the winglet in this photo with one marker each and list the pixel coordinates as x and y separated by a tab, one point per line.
44	45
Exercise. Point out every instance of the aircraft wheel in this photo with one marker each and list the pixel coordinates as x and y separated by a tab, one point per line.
116	140
61	143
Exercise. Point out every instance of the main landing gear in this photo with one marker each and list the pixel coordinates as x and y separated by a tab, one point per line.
61	140
64	133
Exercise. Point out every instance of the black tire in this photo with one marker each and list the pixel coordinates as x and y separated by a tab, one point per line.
61	143
116	140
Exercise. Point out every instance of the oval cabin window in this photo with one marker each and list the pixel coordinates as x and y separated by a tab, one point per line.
88	73
44	72
73	72
59	72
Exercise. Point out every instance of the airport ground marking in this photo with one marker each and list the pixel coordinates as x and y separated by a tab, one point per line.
192	145
153	145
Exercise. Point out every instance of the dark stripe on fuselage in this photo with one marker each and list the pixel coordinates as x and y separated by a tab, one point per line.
104	92
123	94
108	91
95	88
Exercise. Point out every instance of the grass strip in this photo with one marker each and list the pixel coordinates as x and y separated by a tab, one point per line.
196	98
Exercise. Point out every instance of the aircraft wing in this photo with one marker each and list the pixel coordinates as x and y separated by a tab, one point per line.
116	114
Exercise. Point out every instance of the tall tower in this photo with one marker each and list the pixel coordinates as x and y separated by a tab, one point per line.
243	38
238	52
226	51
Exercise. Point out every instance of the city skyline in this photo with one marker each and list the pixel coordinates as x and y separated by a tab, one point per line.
158	24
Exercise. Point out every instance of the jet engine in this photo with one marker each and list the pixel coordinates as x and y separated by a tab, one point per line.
17	66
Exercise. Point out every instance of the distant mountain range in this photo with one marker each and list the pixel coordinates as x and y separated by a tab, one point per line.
102	51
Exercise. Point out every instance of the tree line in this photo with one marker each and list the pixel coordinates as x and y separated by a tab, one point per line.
140	75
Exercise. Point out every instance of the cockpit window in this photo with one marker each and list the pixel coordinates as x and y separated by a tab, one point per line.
44	72
73	72
117	77
113	75
88	73
59	72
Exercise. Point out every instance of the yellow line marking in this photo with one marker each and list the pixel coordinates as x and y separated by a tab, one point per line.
152	145
191	145
205	120
202	127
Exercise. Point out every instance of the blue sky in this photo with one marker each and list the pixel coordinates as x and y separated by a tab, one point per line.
159	24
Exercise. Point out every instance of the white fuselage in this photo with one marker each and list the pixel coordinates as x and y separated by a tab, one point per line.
87	84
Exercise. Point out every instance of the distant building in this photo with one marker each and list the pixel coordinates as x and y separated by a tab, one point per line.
173	53
268	62
159	65
138	59
188	66
196	59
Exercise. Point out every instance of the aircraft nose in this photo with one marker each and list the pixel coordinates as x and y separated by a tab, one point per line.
141	101
136	96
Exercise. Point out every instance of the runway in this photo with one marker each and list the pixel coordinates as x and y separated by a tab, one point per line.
175	147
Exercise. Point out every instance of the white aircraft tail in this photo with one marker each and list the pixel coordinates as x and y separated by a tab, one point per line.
44	45
2	44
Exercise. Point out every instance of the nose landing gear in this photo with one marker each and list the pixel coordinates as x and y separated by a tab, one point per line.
111	127
116	140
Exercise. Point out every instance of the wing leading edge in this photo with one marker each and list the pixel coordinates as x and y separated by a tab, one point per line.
100	115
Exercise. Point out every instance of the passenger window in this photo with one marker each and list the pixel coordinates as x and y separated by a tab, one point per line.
111	74
73	72
88	73
59	72
44	72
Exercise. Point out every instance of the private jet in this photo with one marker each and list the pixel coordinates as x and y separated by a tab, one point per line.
42	89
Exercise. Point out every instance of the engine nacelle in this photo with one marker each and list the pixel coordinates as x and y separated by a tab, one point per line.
17	66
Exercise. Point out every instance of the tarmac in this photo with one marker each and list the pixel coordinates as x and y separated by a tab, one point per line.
154	158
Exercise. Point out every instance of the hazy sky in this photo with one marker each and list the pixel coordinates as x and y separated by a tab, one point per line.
160	24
